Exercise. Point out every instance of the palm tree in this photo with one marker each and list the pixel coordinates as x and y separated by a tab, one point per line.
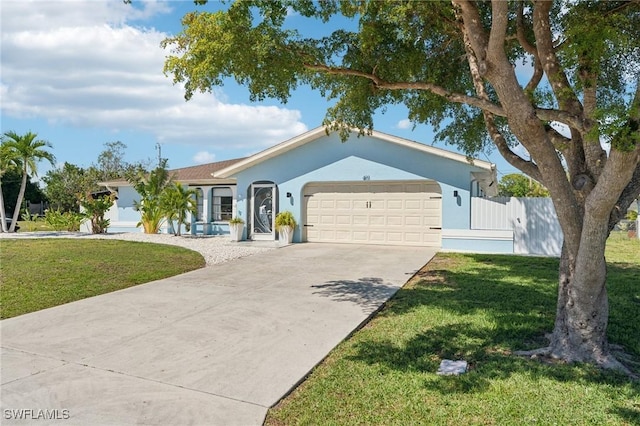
28	150
150	186
176	202
8	160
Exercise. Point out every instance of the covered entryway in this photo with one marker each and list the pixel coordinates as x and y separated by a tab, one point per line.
393	213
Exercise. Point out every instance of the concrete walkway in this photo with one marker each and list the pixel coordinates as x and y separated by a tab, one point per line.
216	346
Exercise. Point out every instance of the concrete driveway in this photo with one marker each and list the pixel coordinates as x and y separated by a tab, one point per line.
216	346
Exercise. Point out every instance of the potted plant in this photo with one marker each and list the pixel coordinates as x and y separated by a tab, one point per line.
236	227
285	225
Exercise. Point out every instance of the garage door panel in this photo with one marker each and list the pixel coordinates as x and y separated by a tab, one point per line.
343	219
343	235
413	237
394	204
412	205
377	220
394	237
413	221
394	220
327	220
377	204
360	236
401	213
343	204
328	204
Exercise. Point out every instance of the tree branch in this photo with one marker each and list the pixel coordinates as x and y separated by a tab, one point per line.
528	47
499	25
538	72
564	93
512	158
472	23
460	98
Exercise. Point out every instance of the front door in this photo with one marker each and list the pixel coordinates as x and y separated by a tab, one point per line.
262	211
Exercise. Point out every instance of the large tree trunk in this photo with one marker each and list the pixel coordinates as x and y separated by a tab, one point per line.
579	334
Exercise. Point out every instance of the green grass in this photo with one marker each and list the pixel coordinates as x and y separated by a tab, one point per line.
41	273
478	308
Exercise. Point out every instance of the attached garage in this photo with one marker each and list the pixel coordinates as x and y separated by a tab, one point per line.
367	212
368	188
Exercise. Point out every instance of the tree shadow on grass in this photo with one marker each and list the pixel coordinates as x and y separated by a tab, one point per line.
482	313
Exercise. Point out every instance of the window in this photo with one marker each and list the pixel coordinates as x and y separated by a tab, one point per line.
222	204
199	203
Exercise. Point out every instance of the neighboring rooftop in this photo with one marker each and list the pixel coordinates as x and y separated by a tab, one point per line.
202	173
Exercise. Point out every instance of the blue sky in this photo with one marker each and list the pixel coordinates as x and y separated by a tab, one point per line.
81	73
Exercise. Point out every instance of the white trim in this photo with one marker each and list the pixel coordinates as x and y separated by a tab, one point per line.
477	234
318	132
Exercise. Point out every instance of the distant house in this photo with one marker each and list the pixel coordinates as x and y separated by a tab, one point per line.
372	189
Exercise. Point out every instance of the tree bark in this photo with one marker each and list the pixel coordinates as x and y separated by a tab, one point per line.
3	216
16	213
582	312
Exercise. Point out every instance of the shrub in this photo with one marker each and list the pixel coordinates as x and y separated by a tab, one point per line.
67	221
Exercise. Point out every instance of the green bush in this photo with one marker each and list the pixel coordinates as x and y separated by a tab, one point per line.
29	221
67	221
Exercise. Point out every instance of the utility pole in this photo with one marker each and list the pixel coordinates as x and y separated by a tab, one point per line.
159	148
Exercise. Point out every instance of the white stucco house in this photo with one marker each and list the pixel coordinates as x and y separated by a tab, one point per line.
372	189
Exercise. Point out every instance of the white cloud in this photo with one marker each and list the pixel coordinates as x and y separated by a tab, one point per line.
82	63
404	124
203	157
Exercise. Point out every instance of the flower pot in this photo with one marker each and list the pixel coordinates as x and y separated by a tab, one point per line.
286	234
235	231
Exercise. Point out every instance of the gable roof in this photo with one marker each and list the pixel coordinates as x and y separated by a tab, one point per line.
319	132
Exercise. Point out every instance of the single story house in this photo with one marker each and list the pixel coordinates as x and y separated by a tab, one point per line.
371	189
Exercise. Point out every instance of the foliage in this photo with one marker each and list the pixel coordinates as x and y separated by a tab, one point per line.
63	185
456	66
176	202
64	221
236	221
94	208
285	219
41	273
29	151
29	221
519	185
111	164
478	308
11	182
632	215
150	187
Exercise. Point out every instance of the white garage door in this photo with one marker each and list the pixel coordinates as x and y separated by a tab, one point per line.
396	213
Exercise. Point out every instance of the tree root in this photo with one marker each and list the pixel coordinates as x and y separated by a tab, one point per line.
622	362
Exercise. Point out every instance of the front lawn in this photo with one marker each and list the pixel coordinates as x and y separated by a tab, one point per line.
41	273
478	308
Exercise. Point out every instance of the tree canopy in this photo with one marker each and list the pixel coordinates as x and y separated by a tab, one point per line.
560	78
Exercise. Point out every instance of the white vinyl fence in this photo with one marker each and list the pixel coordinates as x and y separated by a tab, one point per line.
533	221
